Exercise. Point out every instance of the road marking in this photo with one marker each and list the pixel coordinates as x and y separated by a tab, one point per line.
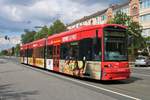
83	83
140	68
141	74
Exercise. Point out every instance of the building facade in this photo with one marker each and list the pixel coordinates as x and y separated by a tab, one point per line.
139	10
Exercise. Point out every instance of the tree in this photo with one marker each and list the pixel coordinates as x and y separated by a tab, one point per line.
12	51
134	30
28	36
42	33
57	27
120	18
4	52
17	49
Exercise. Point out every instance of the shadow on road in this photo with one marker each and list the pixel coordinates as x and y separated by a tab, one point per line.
132	79
115	82
7	93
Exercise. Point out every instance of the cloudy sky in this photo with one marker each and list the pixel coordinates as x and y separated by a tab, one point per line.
17	15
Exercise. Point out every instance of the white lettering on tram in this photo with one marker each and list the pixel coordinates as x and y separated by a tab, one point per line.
34	45
69	38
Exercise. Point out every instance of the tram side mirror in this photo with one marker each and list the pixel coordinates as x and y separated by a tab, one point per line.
129	40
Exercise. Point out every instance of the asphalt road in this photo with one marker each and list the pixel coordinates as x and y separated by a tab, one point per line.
22	82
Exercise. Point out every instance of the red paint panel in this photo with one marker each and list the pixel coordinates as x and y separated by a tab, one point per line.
115	70
38	43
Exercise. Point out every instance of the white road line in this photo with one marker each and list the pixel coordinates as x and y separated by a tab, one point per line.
141	74
83	83
148	68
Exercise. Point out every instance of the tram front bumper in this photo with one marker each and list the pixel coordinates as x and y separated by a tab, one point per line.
116	74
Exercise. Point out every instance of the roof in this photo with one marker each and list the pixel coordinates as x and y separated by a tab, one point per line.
83	28
114	7
119	6
41	42
37	43
88	17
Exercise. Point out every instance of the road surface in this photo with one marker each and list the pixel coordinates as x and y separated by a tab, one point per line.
22	82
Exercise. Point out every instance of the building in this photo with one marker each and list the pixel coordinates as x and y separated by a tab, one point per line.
139	10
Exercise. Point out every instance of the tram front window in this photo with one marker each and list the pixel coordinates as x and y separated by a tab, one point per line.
115	43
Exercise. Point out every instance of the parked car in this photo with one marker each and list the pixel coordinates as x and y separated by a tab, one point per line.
142	61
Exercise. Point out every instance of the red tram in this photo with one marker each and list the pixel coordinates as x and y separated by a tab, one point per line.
97	52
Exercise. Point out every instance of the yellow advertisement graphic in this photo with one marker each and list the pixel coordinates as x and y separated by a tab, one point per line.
21	59
39	62
30	61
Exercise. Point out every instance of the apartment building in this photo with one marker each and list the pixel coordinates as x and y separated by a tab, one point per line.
139	10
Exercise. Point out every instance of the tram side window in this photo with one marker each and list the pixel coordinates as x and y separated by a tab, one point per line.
90	48
63	51
22	53
30	52
49	52
70	51
97	53
39	52
26	53
85	49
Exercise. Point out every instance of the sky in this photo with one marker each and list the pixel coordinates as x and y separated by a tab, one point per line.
17	15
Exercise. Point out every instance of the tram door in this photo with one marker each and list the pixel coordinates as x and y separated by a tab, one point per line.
56	57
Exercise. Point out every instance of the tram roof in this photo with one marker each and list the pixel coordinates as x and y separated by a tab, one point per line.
83	28
41	42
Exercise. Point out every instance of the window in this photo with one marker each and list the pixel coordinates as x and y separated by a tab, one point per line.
49	52
145	18
97	21
90	48
115	43
87	48
70	50
91	22
30	52
144	4
22	53
39	52
146	32
26	53
103	17
134	11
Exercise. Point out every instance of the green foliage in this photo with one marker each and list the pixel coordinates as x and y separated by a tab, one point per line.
134	30
120	18
13	51
147	38
42	33
57	27
28	36
17	50
4	52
